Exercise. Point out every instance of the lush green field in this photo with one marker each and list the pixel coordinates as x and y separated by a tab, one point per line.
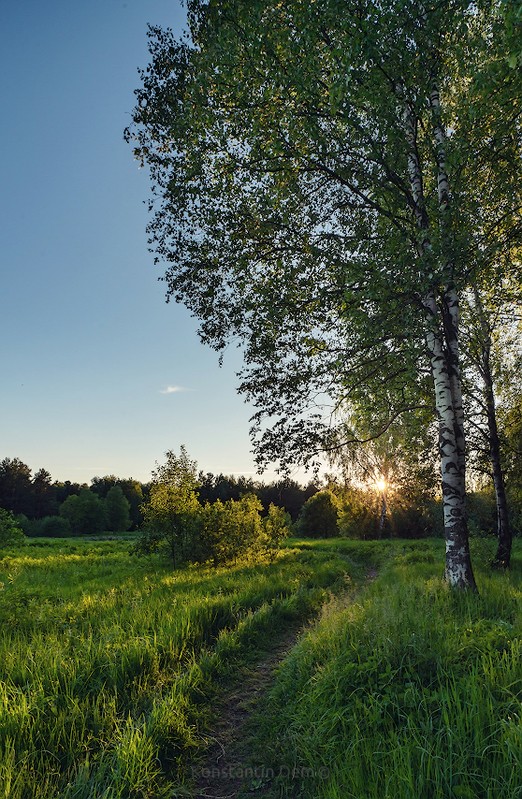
108	662
411	691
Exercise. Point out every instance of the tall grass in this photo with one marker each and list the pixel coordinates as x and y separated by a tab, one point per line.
412	691
108	662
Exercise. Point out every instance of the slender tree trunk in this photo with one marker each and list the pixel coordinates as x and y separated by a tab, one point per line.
450	299
383	513
458	571
442	345
505	539
504	533
450	304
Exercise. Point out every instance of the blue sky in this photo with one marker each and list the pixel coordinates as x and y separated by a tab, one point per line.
89	347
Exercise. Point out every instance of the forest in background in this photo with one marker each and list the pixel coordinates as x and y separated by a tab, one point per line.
347	502
45	506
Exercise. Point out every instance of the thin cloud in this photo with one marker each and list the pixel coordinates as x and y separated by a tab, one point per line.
175	390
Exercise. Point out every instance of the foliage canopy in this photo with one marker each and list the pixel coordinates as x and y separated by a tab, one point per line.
325	185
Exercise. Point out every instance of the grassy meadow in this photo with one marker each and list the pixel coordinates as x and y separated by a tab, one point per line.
403	689
410	691
108	662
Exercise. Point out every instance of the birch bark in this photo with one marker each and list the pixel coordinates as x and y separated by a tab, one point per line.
458	563
442	345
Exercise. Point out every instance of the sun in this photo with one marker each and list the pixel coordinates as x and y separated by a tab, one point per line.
380	485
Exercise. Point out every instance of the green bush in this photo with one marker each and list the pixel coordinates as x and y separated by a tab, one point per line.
230	529
236	528
319	516
85	512
176	522
25	524
411	521
482	513
358	518
277	525
11	534
435	516
51	527
117	510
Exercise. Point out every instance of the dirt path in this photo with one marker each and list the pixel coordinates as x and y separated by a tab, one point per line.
227	768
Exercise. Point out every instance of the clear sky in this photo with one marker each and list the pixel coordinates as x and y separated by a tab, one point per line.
89	347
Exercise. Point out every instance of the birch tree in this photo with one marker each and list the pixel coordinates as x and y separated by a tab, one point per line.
302	200
493	360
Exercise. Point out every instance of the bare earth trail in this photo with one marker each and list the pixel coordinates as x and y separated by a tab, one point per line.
227	767
227	771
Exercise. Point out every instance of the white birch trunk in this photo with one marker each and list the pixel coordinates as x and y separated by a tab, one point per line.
458	572
450	298
451	326
440	143
458	563
442	345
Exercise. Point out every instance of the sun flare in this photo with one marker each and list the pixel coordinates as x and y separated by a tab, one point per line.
380	485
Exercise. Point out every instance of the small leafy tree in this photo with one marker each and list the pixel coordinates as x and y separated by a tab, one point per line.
11	534
231	529
357	517
50	526
277	525
117	510
319	516
172	513
85	513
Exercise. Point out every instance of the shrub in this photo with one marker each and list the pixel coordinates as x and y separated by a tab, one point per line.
231	529
482	513
358	518
85	512
435	517
117	510
177	523
277	525
172	514
11	534
51	526
25	524
319	516
411	521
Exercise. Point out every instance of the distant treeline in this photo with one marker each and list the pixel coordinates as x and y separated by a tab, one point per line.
40	502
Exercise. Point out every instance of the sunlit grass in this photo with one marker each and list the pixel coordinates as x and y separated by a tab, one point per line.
412	691
108	662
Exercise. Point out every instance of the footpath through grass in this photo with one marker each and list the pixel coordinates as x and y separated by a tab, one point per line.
411	691
108	663
110	666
